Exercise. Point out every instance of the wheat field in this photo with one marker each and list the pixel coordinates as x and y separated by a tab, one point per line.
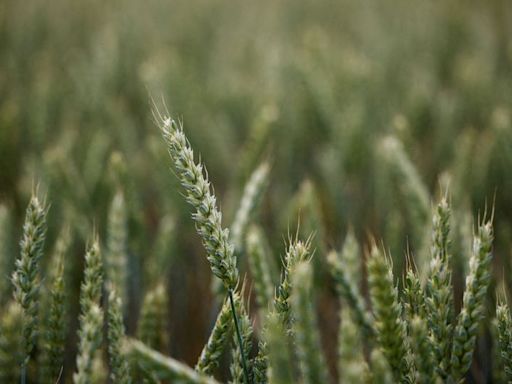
268	192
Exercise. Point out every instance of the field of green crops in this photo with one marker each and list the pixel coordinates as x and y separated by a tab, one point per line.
255	192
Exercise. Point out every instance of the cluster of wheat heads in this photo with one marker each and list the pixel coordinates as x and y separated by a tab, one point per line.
408	334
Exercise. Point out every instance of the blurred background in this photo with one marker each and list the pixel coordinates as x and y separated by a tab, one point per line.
366	112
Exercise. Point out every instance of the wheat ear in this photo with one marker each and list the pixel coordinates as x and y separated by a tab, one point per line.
473	305
26	274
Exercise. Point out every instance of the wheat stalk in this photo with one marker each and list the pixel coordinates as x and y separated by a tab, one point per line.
422	354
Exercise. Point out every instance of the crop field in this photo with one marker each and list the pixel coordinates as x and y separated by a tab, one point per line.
277	192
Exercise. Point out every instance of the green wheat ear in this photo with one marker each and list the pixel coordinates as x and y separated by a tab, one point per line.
193	178
389	325
422	354
297	252
26	275
309	351
91	315
212	352
439	301
472	312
